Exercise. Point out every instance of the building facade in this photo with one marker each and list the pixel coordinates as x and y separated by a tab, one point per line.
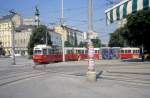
93	35
29	21
23	29
72	35
55	38
22	37
6	30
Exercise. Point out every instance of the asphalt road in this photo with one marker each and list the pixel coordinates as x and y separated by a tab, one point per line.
68	79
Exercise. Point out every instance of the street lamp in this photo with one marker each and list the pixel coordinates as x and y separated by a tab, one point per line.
13	37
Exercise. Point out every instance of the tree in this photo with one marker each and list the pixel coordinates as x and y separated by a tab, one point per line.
38	36
68	44
75	41
116	38
96	42
82	44
137	29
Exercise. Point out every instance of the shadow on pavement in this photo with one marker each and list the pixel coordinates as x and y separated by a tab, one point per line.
133	60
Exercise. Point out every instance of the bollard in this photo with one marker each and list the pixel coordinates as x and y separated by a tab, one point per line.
91	76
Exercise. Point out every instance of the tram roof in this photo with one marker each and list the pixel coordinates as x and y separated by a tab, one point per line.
42	46
130	48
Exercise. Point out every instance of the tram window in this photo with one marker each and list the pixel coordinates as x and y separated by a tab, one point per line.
134	51
126	51
78	51
44	51
86	51
129	51
69	51
95	51
37	51
82	51
74	51
49	51
122	51
52	51
56	50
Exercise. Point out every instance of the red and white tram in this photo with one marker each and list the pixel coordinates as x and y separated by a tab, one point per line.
76	53
70	54
47	54
129	53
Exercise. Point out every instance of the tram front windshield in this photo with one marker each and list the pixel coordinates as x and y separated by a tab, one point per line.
37	52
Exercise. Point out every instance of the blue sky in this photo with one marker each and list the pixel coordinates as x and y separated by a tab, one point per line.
75	13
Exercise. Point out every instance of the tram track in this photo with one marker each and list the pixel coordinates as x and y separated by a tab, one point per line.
72	71
132	78
16	74
9	79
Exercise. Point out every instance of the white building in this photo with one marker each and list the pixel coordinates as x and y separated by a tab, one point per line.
29	21
85	35
55	38
6	30
72	35
93	35
22	36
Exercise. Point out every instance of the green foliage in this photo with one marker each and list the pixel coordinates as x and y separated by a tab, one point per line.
82	44
96	42
76	43
116	39
103	45
137	29
68	44
37	37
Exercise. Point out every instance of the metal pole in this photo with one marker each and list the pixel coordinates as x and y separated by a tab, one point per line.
90	16
62	23
46	43
46	37
62	12
142	53
91	74
90	30
12	39
37	13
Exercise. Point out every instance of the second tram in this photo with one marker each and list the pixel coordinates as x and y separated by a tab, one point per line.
129	53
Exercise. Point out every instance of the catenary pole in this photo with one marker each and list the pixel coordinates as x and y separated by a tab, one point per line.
62	26
91	74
